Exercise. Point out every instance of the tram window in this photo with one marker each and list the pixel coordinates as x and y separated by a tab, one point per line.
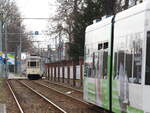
128	66
105	45
91	67
87	51
100	65
121	68
137	69
89	60
33	64
94	65
105	58
147	80
137	61
115	71
100	46
134	61
128	60
86	69
89	71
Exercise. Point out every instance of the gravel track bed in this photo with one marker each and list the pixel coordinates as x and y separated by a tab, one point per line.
76	93
65	84
30	102
11	106
66	90
68	104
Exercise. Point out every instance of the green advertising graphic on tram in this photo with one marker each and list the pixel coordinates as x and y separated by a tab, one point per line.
116	63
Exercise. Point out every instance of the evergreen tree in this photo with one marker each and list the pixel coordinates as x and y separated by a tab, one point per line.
15	29
78	14
94	9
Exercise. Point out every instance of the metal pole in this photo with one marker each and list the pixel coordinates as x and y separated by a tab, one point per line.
6	68
20	50
0	45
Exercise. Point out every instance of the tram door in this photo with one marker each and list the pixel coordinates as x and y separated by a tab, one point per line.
127	71
146	91
102	85
147	78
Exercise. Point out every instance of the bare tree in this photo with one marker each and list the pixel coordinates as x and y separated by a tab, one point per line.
15	29
73	16
63	20
125	4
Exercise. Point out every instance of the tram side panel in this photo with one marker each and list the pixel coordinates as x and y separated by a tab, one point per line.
146	73
129	61
96	80
131	64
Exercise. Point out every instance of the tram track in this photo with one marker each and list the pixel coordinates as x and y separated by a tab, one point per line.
64	89
63	85
15	98
31	101
68	103
70	91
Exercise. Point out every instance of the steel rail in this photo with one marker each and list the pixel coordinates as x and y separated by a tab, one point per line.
17	102
62	93
42	96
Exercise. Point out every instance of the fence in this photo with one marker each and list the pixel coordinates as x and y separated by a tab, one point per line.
70	72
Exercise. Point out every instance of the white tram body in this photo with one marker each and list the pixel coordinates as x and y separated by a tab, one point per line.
117	61
34	67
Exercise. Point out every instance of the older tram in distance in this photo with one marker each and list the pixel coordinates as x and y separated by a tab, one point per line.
117	61
33	67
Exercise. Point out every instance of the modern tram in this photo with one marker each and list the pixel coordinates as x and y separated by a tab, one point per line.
34	67
117	61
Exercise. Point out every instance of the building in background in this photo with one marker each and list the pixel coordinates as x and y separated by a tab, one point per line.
60	53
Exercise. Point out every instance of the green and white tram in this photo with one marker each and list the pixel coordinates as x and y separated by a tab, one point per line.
117	61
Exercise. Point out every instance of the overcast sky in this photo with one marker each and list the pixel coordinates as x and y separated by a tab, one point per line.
36	9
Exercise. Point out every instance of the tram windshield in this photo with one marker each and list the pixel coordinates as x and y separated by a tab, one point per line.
32	64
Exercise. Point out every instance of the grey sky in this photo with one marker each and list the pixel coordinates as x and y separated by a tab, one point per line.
36	9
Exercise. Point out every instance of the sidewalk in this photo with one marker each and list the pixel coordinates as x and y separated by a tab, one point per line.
2	108
14	76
